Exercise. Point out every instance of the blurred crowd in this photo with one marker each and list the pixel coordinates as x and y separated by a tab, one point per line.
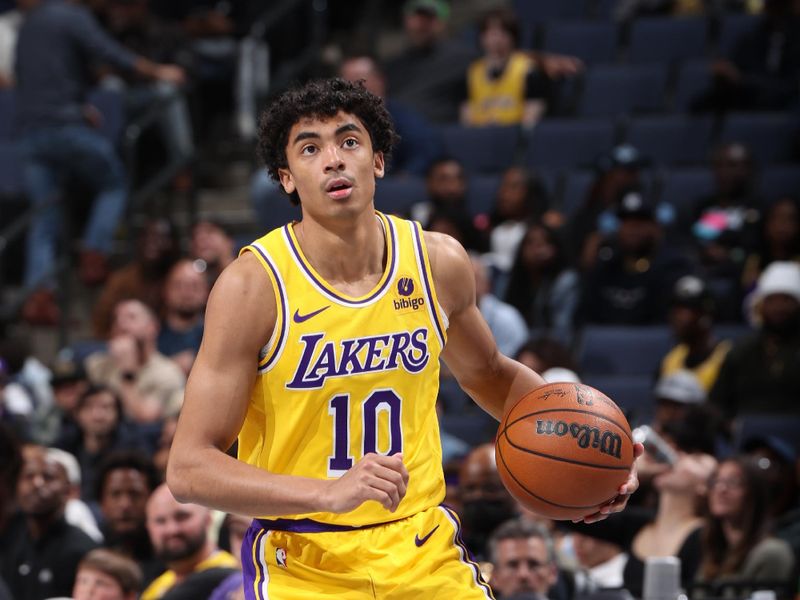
715	276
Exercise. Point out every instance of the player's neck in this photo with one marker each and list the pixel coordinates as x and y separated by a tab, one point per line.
348	252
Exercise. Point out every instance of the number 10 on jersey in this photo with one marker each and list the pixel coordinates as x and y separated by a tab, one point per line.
377	402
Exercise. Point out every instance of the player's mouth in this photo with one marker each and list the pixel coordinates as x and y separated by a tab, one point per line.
339	188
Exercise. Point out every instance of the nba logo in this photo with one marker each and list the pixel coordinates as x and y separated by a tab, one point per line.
405	286
280	557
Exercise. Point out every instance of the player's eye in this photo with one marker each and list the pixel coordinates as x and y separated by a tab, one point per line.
308	150
351	143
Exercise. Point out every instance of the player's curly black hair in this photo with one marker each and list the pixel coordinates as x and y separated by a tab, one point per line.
321	98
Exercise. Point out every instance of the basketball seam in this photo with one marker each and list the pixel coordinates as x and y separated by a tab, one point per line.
566	460
538	497
571	410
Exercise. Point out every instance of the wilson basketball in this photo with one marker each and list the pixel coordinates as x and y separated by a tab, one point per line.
564	449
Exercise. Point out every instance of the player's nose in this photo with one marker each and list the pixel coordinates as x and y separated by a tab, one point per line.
333	159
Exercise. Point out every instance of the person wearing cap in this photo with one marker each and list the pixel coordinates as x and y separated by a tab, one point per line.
761	373
779	240
691	316
674	394
631	279
429	75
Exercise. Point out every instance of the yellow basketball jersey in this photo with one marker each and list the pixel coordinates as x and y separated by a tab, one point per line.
343	376
498	101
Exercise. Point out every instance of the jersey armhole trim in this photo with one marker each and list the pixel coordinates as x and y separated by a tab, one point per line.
435	311
274	347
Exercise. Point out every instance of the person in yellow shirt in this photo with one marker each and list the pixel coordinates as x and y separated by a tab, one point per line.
180	537
691	319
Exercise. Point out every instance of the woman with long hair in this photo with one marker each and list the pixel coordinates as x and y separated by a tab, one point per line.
737	546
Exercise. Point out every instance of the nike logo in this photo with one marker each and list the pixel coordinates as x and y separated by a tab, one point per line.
298	318
421	540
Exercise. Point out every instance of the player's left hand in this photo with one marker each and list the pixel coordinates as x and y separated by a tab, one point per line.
624	492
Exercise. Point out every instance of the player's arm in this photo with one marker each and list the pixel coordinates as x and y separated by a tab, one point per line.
492	379
240	316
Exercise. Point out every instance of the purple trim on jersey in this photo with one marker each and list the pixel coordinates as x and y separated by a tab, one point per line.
467	555
285	310
249	569
427	284
311	526
324	287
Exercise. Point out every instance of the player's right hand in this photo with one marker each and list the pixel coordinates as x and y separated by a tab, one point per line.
375	477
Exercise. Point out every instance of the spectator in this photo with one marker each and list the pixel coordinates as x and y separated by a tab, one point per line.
419	143
147	381
523	560
156	251
101	429
506	323
429	75
691	316
10	467
446	186
673	529
617	172
457	223
185	295
56	42
77	512
135	27
543	354
601	564
674	395
485	502
106	575
212	244
124	482
69	381
164	444
42	551
736	545
504	86
761	72
780	240
777	460
231	588
541	285
179	533
521	198
631	280
10	24
761	373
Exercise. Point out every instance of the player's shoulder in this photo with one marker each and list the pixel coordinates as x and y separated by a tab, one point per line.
444	251
451	270
244	285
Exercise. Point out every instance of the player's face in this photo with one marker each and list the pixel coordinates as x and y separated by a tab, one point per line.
522	566
124	499
91	584
332	166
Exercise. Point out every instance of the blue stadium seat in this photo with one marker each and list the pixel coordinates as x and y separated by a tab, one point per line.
682	187
568	142
394	195
611	90
694	78
481	149
672	139
732	28
592	41
732	331
603	9
270	204
666	39
623	350
481	193
777	182
770	136
632	393
782	426
6	113
534	11
576	188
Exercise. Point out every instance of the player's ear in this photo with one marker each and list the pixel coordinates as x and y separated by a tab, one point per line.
286	180
378	165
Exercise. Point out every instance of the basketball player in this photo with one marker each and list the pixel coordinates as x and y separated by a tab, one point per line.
321	352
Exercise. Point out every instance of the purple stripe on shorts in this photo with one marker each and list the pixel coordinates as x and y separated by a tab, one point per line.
249	569
311	526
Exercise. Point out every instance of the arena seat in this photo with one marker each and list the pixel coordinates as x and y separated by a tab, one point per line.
611	90
481	193
576	188
752	425
481	149
632	393
682	187
732	28
394	195
6	114
592	41
694	77
771	136
10	170
568	142
622	350
780	181
535	11
672	139
667	39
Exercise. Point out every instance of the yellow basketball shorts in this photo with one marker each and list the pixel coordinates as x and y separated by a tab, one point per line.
421	556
